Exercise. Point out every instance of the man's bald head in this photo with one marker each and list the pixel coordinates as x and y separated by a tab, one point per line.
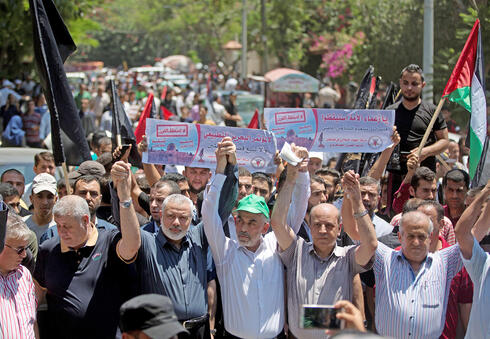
416	219
325	209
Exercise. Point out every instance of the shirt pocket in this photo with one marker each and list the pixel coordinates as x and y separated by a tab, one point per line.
432	294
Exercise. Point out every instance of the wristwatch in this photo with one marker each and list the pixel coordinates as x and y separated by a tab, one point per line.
213	331
360	214
126	203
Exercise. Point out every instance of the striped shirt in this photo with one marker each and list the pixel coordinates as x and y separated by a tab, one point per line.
446	231
478	267
413	305
17	304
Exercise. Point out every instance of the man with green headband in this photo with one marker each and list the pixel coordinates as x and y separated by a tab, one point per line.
249	269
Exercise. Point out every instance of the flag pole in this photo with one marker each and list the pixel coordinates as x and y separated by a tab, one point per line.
446	166
65	174
431	124
397	95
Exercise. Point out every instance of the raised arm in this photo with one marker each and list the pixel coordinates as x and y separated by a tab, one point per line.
213	226
151	172
299	200
403	194
283	232
365	228
468	220
130	242
379	166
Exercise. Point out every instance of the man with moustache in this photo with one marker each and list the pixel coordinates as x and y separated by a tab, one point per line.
254	309
412	117
198	179
173	262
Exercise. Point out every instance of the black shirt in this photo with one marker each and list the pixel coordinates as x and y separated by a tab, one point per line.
231	108
85	288
411	125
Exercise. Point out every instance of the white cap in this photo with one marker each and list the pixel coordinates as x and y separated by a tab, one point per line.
318	155
44	182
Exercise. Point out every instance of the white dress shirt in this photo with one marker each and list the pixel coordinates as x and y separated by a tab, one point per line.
252	283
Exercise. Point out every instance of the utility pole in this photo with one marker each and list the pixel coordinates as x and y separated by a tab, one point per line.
265	57
244	40
428	58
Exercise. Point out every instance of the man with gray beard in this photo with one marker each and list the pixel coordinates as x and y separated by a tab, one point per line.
173	262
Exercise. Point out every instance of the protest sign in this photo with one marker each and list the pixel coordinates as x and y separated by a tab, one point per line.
332	130
176	143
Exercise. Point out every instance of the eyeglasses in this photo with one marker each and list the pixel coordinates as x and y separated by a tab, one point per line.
18	250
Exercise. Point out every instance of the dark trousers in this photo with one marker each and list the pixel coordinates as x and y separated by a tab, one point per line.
228	335
200	331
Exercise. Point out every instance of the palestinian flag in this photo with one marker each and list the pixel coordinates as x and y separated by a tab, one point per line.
466	87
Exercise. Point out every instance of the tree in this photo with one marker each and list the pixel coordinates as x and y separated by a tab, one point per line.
16	51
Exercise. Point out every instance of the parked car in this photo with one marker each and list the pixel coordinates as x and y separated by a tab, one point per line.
246	103
22	159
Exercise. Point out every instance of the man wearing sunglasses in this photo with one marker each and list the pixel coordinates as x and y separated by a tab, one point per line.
17	293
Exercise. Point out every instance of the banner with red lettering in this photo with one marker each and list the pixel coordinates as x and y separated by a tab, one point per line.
179	143
332	130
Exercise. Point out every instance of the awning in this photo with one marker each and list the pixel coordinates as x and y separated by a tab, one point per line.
291	81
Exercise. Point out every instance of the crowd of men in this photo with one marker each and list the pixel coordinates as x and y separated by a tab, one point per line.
225	253
26	120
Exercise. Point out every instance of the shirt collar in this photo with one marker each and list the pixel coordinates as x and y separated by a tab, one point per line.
163	239
258	248
92	240
400	256
336	251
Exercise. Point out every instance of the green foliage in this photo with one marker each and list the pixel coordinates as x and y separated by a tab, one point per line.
16	51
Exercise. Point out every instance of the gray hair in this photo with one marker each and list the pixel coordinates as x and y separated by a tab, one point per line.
180	200
369	181
17	228
71	205
416	215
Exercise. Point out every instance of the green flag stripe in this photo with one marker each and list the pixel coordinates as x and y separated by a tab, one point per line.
461	96
476	150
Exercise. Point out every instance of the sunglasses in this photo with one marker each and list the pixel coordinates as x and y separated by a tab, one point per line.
18	250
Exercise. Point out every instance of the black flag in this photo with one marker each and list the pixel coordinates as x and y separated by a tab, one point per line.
51	48
362	97
352	161
121	126
153	111
390	95
3	222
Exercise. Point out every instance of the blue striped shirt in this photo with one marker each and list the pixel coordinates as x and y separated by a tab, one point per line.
413	305
478	267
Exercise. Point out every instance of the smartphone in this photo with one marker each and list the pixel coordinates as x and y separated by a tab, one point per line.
320	317
123	150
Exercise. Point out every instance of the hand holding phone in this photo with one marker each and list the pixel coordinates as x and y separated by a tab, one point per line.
320	317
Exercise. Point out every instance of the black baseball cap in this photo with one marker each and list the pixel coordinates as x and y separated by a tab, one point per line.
151	313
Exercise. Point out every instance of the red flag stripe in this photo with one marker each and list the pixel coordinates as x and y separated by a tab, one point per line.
463	71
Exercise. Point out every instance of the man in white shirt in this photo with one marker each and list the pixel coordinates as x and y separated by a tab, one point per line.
472	226
218	113
43	197
249	269
99	101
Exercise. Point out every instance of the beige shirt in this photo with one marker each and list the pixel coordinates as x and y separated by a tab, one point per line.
313	280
